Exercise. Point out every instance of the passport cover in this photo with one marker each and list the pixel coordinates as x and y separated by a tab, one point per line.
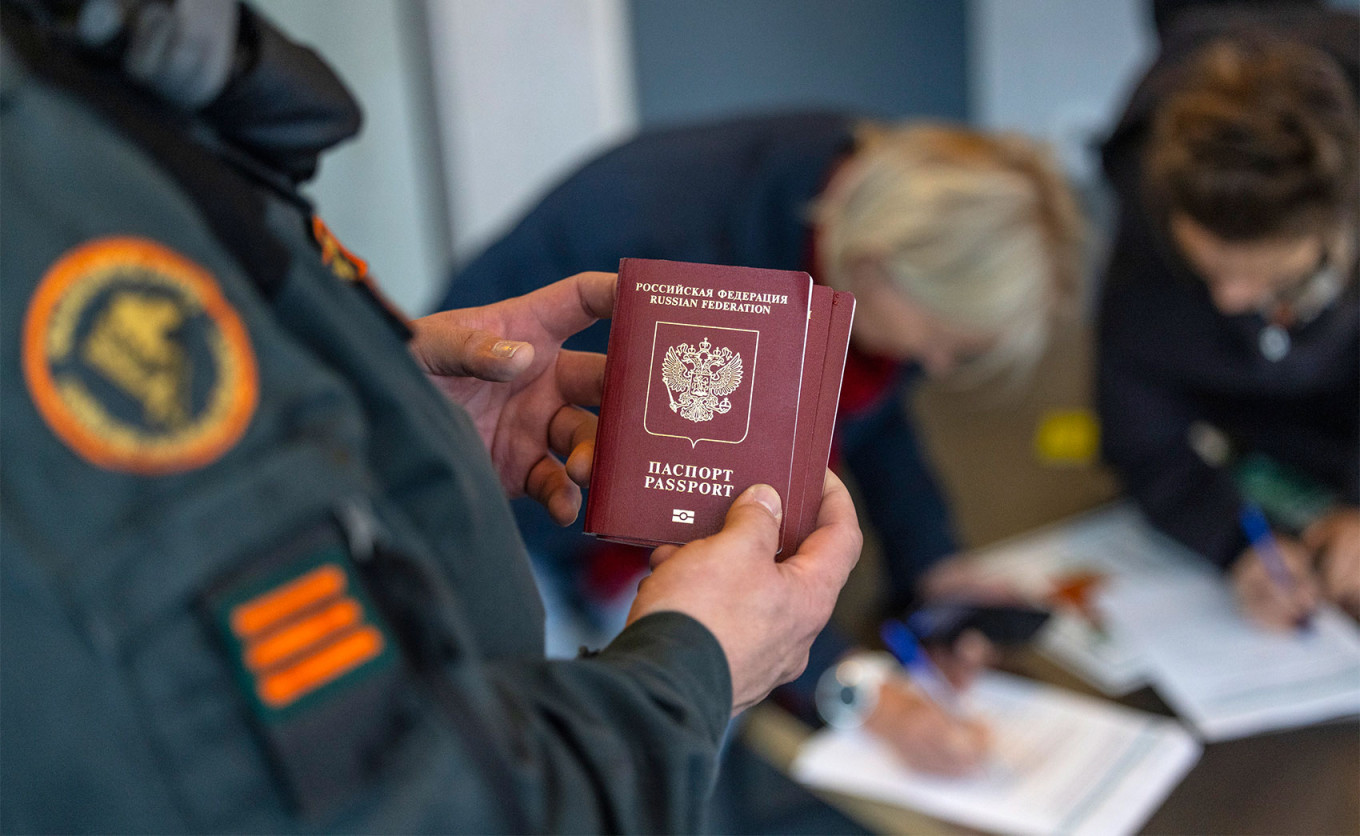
703	385
829	319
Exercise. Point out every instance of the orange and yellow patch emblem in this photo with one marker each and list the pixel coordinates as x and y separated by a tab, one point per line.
344	264
136	360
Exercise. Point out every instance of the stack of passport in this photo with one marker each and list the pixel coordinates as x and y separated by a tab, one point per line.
718	378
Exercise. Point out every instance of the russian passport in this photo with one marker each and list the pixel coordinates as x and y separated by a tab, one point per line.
717	378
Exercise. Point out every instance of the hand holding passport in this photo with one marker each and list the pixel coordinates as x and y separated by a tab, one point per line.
719	404
763	613
505	366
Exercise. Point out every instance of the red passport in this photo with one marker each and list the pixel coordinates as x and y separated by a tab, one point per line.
715	380
823	369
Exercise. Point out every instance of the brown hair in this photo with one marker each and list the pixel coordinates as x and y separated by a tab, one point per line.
1259	141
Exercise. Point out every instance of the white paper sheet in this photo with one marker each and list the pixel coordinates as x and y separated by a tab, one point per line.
1221	673
1114	542
1062	763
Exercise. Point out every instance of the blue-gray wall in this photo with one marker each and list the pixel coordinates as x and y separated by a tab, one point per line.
704	58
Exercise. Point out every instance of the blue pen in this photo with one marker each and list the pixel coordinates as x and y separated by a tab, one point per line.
1257	529
902	643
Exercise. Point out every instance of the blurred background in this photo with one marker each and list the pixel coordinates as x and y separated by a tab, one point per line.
474	108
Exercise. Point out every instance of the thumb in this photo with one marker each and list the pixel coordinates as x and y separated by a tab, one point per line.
456	351
755	516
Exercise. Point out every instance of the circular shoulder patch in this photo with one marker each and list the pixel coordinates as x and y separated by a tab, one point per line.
135	359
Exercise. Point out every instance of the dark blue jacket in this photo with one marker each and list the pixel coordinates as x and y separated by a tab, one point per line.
1168	358
734	192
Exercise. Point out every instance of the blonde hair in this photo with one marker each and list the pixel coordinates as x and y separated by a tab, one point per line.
981	230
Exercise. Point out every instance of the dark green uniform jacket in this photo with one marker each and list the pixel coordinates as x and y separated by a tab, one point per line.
257	575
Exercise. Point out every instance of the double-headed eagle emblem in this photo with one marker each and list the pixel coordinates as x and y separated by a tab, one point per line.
700	376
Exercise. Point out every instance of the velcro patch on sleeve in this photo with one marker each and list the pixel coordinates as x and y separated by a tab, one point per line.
318	665
302	632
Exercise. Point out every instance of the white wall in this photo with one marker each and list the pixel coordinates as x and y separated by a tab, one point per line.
472	109
381	194
526	90
1057	69
475	107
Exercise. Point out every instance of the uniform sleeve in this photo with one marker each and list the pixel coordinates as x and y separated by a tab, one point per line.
622	741
899	494
145	704
625	741
1145	423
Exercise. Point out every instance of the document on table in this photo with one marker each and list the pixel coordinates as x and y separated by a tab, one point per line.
1062	763
1112	542
1225	675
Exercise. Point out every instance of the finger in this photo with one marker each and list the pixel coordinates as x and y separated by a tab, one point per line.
932	741
1314	537
952	667
837	508
753	520
1306	590
1276	607
1298	561
974	649
571	435
1347	593
1275	604
835	518
549	484
660	555
828	554
955	752
575	303
443	348
1341	572
581	463
580	377
970	653
970	742
1254	593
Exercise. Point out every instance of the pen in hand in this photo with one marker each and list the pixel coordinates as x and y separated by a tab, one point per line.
902	643
1257	529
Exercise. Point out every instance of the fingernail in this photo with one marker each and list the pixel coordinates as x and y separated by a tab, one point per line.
767	496
506	348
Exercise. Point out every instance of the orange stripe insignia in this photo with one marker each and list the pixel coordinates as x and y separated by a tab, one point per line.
302	634
258	614
326	665
296	631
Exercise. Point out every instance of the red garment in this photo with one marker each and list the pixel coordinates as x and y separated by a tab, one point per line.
869	378
612	570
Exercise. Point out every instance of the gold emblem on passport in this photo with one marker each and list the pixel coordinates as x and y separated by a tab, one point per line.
136	360
699	375
697	379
